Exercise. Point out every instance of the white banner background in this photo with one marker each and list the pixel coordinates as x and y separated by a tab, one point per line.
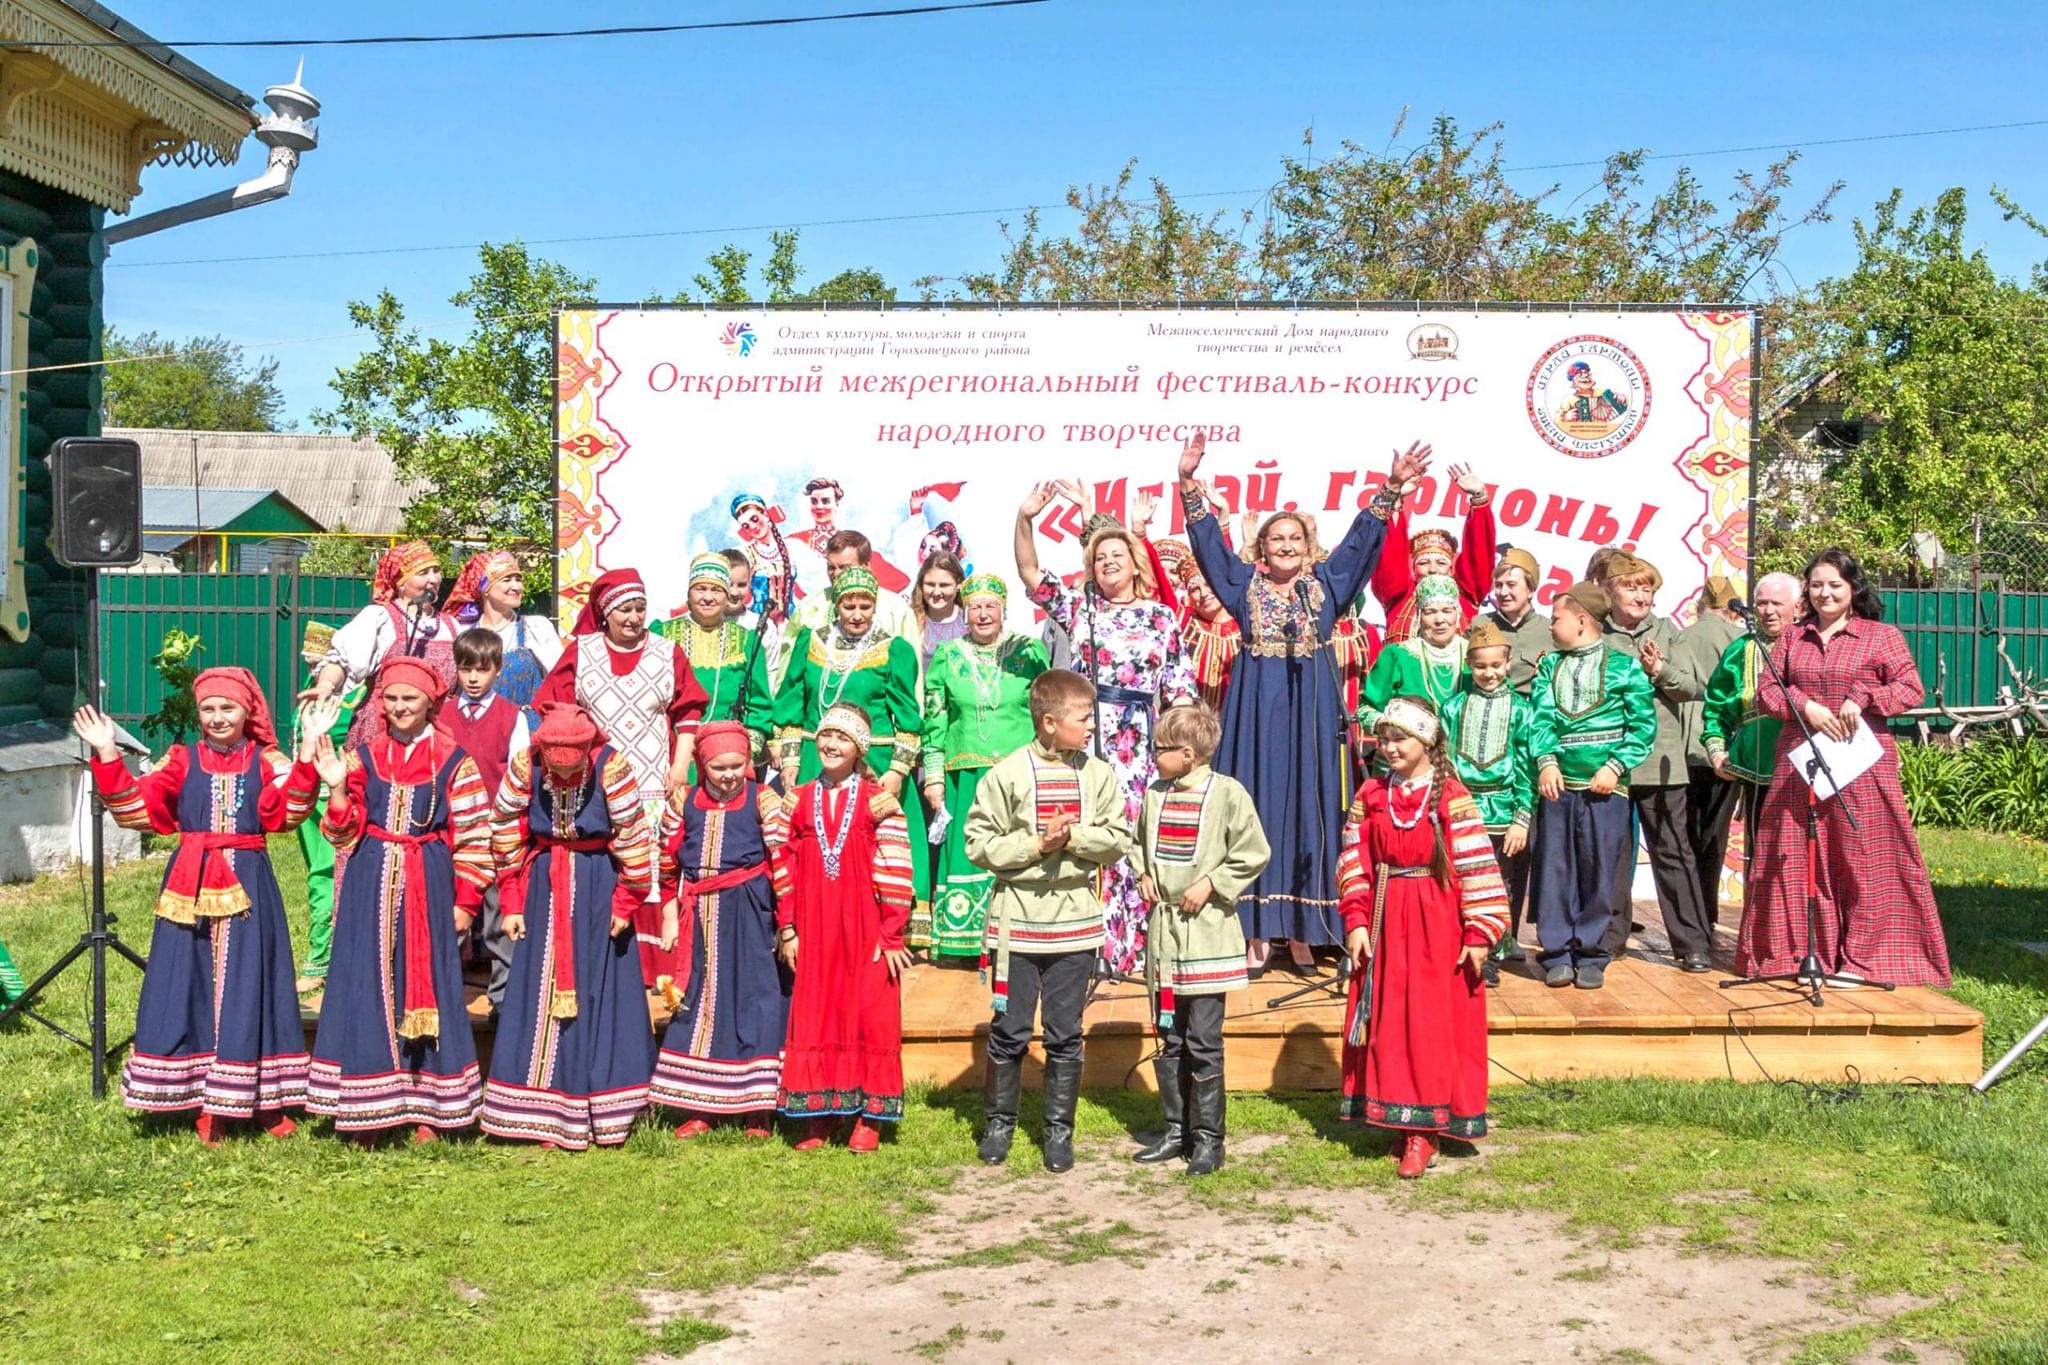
664	415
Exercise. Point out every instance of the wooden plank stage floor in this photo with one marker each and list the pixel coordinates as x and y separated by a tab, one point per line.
1650	1020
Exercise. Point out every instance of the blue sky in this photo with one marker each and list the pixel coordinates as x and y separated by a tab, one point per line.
424	146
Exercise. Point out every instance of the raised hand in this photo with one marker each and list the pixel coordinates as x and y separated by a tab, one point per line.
331	766
1074	491
96	728
1191	454
1462	475
1036	501
1142	504
1410	464
316	718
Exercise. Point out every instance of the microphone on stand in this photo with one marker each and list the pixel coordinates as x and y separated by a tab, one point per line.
1743	609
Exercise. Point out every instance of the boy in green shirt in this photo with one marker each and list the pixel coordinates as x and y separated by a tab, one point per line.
1487	729
1200	845
1594	721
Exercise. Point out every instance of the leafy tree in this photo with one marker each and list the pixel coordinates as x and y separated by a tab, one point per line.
177	663
201	384
341	555
1944	364
727	285
468	419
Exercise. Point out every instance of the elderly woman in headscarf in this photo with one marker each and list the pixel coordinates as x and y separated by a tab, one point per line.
1429	664
400	622
394	1047
488	594
217	1028
574	1050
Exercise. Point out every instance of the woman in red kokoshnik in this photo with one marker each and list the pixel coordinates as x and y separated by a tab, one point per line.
1434	551
574	1049
1423	904
217	1028
394	1046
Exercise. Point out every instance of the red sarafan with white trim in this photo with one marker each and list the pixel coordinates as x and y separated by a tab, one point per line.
1878	919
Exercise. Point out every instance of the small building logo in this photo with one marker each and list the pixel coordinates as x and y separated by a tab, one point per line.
1588	396
1433	341
738	339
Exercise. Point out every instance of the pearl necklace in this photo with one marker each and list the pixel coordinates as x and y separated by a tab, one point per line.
833	846
840	664
1420	809
988	689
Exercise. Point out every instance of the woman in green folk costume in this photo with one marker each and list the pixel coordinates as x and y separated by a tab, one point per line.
976	710
1430	663
855	660
732	671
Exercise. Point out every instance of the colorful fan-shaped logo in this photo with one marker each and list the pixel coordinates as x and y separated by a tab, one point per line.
738	339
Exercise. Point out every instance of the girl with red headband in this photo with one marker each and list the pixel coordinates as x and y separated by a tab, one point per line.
574	1048
722	1054
410	811
217	1028
400	622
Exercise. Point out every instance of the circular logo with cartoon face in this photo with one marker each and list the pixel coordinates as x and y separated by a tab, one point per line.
1588	396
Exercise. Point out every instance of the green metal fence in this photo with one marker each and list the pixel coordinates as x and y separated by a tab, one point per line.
254	620
1961	629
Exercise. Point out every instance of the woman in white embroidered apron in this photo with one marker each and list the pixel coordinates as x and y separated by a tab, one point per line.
1128	644
489	592
400	622
641	690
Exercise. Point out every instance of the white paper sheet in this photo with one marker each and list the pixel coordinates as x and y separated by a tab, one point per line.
1847	759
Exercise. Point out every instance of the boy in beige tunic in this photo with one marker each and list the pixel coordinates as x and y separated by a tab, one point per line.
1047	822
1200	845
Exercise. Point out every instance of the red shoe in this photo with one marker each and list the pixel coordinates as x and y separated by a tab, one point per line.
865	1137
425	1133
211	1128
277	1123
760	1126
819	1134
695	1128
1418	1154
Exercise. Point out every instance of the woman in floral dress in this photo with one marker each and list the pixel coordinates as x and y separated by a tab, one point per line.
1128	643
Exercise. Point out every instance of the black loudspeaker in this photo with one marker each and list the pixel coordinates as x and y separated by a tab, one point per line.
96	502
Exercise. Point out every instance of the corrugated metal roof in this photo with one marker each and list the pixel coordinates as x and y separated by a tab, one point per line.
172	507
336	480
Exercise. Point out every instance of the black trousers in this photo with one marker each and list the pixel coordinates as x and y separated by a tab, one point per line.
1710	806
1666	825
1054	985
1196	1038
1515	872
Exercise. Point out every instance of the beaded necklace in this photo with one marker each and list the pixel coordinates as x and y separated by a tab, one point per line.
228	788
1434	658
988	688
1399	788
391	759
833	846
840	664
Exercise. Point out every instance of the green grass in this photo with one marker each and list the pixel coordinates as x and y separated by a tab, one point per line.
119	1240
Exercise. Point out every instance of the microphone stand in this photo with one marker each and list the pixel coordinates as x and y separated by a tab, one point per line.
1337	984
1809	977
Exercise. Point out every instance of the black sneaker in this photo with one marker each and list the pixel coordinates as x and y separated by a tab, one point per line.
1591	976
1489	972
1695	963
1558	974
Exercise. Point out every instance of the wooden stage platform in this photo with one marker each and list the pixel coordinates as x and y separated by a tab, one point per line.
1650	1020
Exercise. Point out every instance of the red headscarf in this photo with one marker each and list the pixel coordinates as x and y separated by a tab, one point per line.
238	685
404	668
611	589
566	734
482	570
399	563
721	737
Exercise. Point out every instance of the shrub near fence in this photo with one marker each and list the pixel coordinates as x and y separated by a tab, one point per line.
1996	784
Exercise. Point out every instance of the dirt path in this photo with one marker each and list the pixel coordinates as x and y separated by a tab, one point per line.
1107	1268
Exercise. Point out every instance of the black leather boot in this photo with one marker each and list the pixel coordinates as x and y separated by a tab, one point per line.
999	1110
1062	1097
1173	1099
1205	1146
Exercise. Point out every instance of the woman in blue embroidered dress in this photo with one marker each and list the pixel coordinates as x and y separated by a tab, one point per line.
489	592
1128	644
1285	733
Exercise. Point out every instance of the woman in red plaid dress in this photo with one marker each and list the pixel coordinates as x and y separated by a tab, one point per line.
1878	920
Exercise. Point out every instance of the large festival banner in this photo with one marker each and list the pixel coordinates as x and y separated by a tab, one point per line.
680	430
